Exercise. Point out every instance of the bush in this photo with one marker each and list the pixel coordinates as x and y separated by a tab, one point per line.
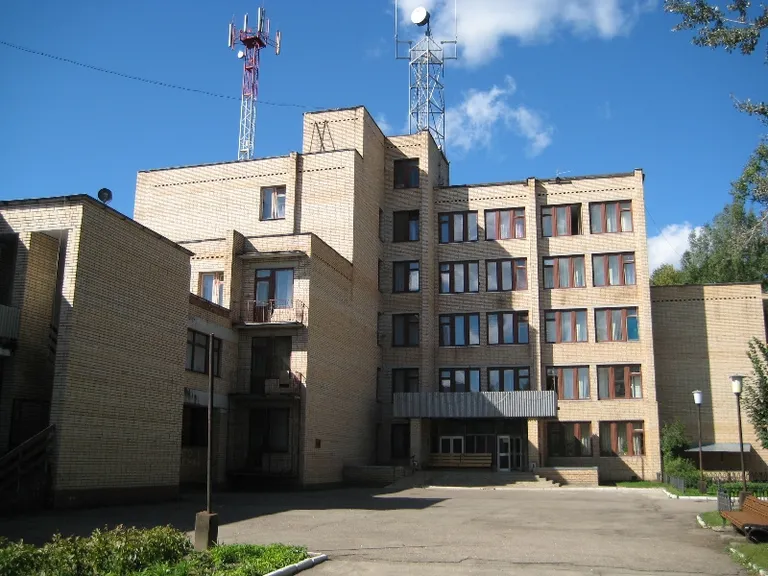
674	441
682	468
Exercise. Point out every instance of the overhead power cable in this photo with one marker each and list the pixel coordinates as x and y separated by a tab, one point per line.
140	79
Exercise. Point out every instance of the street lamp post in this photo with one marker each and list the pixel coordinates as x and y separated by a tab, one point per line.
697	396
736	386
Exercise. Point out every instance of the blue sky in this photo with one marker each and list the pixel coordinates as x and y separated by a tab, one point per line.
543	86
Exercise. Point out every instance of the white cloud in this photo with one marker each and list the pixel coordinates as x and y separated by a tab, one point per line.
484	24
668	247
471	124
385	126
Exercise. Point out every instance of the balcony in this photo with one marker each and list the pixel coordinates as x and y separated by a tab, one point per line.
288	383
9	323
281	383
274	313
522	404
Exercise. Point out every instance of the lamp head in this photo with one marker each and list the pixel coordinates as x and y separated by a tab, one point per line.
737	381
697	396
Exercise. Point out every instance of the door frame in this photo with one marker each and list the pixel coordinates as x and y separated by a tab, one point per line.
499	452
516	453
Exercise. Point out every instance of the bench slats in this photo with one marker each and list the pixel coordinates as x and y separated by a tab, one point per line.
754	511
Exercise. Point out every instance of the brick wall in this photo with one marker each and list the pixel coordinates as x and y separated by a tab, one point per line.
570	476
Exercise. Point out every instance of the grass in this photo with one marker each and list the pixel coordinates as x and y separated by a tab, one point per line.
756	554
713	518
647	484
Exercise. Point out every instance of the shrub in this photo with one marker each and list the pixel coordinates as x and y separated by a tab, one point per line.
674	441
18	558
682	468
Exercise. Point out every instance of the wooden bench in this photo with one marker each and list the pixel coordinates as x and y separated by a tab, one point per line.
752	518
460	460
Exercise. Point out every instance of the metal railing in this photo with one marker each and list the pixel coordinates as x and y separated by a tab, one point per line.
24	477
275	312
726	486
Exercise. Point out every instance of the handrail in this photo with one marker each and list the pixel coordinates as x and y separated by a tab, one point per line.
43	435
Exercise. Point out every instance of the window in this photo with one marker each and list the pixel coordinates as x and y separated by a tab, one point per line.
508	328
458	277
458	227
506	275
621	439
563	220
274	286
479	443
616	325
405	330
570	383
509	379
212	287
405	277
459	380
407	173
194	426
197	353
569	439
613	269
504	224
459	329
406	226
619	382
273	203
405	380
401	441
564	272
565	326
610	217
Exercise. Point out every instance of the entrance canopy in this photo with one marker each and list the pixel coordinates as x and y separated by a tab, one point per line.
721	447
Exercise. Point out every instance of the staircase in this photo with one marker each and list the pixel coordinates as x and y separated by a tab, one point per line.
25	474
488	480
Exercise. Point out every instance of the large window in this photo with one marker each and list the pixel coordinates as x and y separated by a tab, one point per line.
565	326
405	277
610	217
563	220
459	380
570	382
212	287
621	439
508	328
564	272
405	330
405	380
406	226
569	439
197	353
459	329
505	224
274	286
458	277
194	426
613	269
458	227
509	379
506	275
406	173
273	203
619	382
616	325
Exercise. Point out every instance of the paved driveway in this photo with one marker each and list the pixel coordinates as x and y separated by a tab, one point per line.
446	532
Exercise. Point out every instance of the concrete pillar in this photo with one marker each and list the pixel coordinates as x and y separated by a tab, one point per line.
416	441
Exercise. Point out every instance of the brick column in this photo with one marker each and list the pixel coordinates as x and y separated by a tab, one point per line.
534	443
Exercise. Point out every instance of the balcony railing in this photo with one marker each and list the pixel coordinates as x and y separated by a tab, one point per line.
274	312
520	404
9	323
287	383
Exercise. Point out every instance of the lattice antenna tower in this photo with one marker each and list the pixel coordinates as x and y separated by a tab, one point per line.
427	57
252	42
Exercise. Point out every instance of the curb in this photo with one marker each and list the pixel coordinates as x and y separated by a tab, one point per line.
701	498
749	565
314	560
701	522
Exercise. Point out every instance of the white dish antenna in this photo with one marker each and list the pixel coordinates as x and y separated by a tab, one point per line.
259	21
278	38
420	16
240	54
231	38
245	22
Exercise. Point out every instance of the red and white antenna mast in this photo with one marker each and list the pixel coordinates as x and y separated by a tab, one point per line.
252	42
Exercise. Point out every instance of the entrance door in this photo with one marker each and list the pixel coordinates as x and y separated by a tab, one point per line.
517	453
504	456
451	445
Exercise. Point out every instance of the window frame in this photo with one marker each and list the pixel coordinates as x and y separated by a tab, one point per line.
605	267
406	216
452	379
451	323
451	279
189	363
402	173
575	434
515	215
558	326
271	281
275	193
217	287
407	269
516	377
408	321
604	218
451	216
571	271
552	208
514	264
559	384
625	314
517	321
631	429
410	380
628	372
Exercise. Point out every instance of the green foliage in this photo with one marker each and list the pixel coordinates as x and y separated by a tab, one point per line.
19	558
674	441
682	468
713	518
252	560
667	275
756	389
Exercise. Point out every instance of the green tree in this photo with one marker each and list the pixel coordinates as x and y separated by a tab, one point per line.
756	389
667	275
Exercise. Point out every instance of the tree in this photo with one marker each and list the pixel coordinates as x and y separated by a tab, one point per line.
741	30
667	275
756	389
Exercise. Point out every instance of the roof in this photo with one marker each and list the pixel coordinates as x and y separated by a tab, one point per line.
709	284
563	180
86	199
721	447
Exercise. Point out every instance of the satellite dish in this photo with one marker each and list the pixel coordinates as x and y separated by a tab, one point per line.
105	195
240	54
278	38
420	16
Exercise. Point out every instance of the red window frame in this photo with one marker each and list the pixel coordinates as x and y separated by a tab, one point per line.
603	218
406	266
450	321
624	328
551	212
622	263
515	265
451	277
560	383
576	437
628	373
558	330
614	428
516	376
451	216
515	215
571	271
518	317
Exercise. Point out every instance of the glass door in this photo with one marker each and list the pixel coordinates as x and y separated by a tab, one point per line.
503	457
517	453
